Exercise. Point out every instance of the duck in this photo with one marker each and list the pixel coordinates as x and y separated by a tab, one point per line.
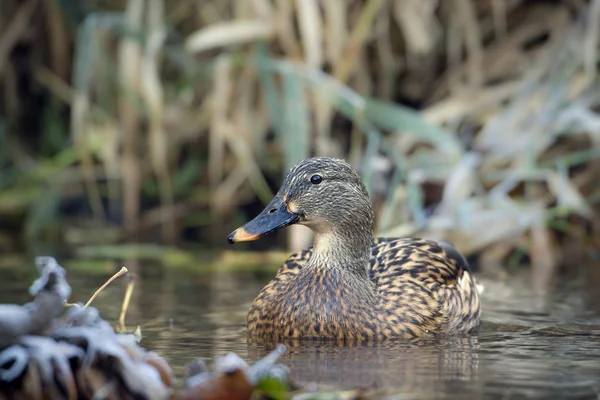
349	284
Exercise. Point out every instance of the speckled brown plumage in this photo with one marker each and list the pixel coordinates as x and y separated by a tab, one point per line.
350	285
415	292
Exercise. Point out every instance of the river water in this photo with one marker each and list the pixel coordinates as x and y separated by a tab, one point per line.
531	345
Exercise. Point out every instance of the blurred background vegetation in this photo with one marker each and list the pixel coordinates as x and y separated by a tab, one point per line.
172	122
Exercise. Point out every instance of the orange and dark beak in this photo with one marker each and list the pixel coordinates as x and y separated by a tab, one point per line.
275	216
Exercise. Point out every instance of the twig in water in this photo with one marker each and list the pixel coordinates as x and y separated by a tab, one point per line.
128	292
122	271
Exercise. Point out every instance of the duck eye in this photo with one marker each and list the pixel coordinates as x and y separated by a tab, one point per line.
316	179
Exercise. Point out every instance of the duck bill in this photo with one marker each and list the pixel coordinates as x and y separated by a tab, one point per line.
275	216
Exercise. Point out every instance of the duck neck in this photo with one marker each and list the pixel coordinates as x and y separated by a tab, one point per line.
346	252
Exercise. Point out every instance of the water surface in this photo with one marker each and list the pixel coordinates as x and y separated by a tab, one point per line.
530	345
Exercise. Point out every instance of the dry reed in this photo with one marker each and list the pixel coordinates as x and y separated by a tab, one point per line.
500	140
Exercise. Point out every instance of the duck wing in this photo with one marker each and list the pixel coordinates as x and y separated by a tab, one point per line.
423	286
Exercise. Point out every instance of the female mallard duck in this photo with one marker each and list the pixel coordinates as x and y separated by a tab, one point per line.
349	285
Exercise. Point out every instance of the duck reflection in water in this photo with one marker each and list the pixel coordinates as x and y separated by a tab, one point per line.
416	367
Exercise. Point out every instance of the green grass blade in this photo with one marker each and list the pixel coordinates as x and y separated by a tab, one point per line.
269	87
295	130
396	118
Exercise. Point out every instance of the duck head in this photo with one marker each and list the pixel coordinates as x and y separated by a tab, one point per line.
324	194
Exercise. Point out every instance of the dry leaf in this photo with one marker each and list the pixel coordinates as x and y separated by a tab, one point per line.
228	33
